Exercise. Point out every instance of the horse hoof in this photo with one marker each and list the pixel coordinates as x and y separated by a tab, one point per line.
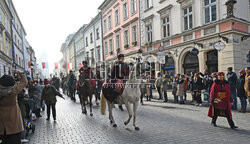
97	104
111	122
125	123
91	114
114	125
137	128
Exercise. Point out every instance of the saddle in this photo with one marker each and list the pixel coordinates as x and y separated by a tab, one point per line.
112	90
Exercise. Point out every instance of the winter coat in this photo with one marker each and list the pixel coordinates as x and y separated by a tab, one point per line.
174	88
165	84
158	82
180	87
55	82
196	85
240	87
247	85
224	104
143	87
10	114
232	80
38	94
49	95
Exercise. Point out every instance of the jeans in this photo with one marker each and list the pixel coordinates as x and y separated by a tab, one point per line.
53	110
234	95
185	95
175	98
165	96
151	92
243	103
181	98
159	91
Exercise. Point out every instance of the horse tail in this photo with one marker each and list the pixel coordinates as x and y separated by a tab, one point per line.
103	103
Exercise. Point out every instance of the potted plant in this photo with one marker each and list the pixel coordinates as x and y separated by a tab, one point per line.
126	46
134	43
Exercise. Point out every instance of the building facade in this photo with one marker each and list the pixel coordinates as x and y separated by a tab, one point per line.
92	34
121	26
79	48
6	61
188	31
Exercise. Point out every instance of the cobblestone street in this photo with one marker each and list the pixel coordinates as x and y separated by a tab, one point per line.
159	123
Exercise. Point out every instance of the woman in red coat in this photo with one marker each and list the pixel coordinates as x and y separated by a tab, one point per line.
221	98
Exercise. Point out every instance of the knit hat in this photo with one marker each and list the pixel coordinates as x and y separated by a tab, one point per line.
220	73
7	80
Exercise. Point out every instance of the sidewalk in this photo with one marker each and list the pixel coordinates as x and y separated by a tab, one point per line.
189	99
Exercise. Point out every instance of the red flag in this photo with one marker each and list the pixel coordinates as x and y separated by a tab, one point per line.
29	64
43	65
56	65
68	66
80	64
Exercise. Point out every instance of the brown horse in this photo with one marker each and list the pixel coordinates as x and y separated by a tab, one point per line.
86	90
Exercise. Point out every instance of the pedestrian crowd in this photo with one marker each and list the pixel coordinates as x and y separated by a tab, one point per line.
198	84
21	102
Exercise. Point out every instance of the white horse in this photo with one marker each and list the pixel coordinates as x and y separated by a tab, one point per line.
130	95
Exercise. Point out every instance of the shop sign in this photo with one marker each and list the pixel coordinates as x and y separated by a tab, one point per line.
161	57
168	67
219	45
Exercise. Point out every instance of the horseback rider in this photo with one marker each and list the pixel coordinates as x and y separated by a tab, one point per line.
119	75
86	70
71	84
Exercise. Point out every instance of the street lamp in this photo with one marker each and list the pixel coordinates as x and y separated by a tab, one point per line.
32	66
230	8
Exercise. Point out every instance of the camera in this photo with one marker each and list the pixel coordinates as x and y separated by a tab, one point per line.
15	75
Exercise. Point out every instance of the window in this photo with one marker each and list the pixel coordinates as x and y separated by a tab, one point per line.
149	33
210	10
117	21
7	46
1	40
149	4
92	57
0	14
118	44
110	22
16	59
166	27
98	54
110	45
126	38
188	18
91	38
104	26
86	42
106	48
97	34
134	33
125	11
87	57
133	6
19	61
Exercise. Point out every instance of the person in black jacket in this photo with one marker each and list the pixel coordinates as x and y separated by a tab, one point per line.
240	90
196	87
232	79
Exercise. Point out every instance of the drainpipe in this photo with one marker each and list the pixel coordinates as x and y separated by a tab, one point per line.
13	48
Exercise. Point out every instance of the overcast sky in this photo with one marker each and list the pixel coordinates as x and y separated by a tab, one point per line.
48	23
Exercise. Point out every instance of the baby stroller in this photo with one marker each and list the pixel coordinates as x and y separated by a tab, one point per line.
29	126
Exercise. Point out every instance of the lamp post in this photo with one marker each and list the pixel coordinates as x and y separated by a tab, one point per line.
230	8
